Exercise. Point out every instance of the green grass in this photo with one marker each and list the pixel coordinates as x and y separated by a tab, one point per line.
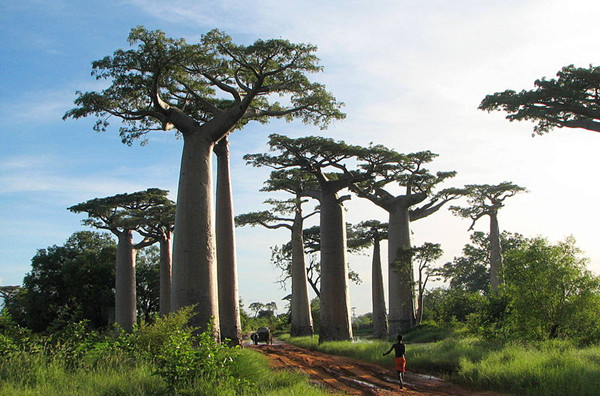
548	369
26	374
542	369
32	375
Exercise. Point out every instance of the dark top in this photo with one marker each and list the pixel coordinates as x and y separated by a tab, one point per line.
399	349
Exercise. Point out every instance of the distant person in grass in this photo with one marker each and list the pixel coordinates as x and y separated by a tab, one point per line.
399	350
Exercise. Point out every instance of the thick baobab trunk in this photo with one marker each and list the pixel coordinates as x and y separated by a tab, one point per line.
165	274
335	324
400	277
229	309
380	326
495	253
125	294
302	324
194	267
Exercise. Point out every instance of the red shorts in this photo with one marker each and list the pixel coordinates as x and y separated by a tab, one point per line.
401	364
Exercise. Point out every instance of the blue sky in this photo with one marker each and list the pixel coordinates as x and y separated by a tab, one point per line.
410	72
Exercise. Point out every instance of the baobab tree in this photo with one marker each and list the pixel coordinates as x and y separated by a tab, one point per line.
572	100
204	91
373	232
229	308
320	156
407	171
281	257
487	200
288	214
120	215
157	223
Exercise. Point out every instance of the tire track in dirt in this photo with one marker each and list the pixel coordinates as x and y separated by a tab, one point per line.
354	377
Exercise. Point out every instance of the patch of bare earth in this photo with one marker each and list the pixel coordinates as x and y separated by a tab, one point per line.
354	377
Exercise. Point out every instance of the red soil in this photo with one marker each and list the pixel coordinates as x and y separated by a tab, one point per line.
354	377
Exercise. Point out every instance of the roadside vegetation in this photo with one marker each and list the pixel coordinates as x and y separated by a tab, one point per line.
538	334
538	368
162	358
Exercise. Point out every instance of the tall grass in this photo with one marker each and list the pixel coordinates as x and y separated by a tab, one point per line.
164	358
33	375
543	369
548	369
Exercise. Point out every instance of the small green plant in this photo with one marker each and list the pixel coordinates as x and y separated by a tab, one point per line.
71	344
8	348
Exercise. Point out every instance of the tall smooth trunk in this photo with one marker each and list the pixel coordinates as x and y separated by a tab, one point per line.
400	276
165	274
125	293
194	266
495	253
302	324
420	306
380	326
229	310
335	323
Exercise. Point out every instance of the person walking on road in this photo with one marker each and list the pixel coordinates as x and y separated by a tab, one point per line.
400	350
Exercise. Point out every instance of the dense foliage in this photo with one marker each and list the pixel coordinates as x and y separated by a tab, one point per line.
548	292
76	281
67	283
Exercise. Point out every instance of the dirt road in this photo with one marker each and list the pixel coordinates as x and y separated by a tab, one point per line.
354	377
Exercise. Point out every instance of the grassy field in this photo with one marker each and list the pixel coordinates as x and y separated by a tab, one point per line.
33	375
545	369
162	358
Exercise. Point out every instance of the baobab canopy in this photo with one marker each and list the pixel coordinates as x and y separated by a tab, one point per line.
213	81
572	100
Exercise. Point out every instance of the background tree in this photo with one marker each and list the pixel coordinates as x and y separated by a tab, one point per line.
281	257
256	307
7	293
229	310
487	200
471	271
408	172
373	232
68	283
424	256
148	282
204	91
157	223
120	214
551	292
572	100
288	214
319	156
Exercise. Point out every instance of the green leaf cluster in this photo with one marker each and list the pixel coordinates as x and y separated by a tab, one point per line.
484	199
571	100
212	81
143	210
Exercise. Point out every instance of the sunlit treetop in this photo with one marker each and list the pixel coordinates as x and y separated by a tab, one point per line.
213	82
409	173
369	231
293	180
326	159
572	100
132	211
485	199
